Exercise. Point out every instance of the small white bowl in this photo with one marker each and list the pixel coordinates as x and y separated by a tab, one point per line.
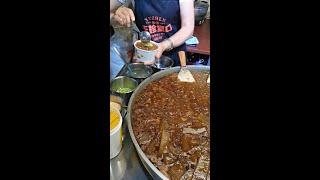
147	57
116	136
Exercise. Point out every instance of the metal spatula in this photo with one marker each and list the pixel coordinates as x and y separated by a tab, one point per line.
184	74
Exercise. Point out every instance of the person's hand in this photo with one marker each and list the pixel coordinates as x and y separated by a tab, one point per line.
124	16
164	45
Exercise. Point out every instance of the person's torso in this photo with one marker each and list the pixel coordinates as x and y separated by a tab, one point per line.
161	18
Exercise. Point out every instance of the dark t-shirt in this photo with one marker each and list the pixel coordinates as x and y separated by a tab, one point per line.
161	18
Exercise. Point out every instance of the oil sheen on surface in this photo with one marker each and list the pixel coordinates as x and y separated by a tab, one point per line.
171	122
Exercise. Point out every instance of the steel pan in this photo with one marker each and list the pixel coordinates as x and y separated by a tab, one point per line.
152	169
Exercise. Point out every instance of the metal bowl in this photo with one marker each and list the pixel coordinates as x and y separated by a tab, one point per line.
123	82
139	70
163	63
151	168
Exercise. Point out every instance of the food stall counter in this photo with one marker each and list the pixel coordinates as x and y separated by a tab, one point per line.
127	164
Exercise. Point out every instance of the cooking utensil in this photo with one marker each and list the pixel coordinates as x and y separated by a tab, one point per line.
123	86
145	37
164	62
184	74
154	172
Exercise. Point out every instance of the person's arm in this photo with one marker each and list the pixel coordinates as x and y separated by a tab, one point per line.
115	4
186	30
120	13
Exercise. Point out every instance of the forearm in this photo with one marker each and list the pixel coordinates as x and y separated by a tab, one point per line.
115	4
187	23
181	36
111	16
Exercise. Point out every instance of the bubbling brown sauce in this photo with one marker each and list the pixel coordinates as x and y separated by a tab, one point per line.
152	46
171	122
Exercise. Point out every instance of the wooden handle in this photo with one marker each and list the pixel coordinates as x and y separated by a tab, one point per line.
182	57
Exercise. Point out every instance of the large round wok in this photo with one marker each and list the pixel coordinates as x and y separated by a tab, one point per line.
154	172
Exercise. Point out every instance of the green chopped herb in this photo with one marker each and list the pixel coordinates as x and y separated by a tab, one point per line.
123	90
148	44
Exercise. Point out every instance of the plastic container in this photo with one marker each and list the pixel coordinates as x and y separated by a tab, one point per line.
145	56
116	136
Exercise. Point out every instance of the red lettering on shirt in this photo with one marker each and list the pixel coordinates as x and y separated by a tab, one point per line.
145	28
152	29
160	28
157	27
168	28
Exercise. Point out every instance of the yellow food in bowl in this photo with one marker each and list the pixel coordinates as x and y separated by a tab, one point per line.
114	118
115	105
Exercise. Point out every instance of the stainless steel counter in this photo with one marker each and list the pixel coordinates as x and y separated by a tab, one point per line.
127	164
